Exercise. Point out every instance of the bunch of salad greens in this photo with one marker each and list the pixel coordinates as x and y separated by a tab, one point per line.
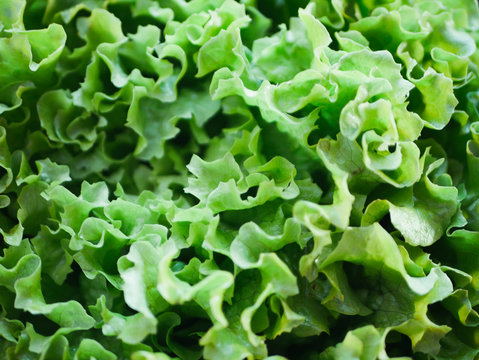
227	179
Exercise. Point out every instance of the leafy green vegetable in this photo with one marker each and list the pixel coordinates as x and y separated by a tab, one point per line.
226	179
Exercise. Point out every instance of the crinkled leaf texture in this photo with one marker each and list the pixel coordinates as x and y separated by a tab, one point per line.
239	179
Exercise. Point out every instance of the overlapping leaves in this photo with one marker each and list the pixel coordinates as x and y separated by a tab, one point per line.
185	180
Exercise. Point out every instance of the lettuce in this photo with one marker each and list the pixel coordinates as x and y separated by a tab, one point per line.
226	179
